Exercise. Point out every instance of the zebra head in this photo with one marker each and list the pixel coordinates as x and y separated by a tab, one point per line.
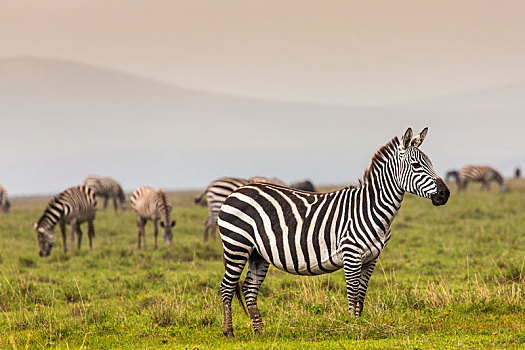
167	232
45	240
416	173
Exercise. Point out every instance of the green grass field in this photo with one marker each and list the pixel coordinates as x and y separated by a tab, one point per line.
451	277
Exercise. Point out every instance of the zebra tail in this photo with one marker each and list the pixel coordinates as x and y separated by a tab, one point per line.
199	198
238	294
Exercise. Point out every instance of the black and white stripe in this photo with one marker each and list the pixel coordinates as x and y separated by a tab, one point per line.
479	173
308	233
152	204
73	206
106	187
217	192
4	201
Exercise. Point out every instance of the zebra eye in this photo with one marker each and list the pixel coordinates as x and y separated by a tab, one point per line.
416	165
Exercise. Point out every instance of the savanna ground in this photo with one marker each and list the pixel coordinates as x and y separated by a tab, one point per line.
451	277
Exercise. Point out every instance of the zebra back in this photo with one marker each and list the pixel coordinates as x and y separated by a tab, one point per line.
151	203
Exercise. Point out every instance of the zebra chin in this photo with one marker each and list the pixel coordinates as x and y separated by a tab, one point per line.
442	194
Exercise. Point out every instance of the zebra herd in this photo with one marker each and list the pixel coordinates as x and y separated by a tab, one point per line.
262	221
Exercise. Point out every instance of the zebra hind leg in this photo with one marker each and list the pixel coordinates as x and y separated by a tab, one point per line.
73	232
207	225
79	236
235	259
257	270
91	234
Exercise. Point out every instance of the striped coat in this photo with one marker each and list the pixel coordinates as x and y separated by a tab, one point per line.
217	192
152	204
73	206
106	187
479	173
306	233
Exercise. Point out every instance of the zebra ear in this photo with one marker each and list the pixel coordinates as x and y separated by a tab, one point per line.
35	225
405	141
418	140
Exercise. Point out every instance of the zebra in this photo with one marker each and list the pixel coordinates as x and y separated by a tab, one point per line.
72	206
308	233
4	202
152	204
479	173
216	193
452	175
305	185
107	187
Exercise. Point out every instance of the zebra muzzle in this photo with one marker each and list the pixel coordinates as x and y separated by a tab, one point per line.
442	194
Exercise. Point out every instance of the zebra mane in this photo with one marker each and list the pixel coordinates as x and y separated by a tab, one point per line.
381	155
54	200
164	200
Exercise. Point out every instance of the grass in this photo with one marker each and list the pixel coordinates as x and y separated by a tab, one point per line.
450	277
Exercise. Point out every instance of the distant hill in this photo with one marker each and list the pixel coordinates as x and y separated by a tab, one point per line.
63	120
507	97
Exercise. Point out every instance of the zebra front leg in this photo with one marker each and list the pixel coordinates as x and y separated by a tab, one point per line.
257	270
91	234
206	228
366	273
105	202
155	231
352	267
235	258
115	203
64	235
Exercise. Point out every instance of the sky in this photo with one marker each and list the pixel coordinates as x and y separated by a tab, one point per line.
336	52
176	93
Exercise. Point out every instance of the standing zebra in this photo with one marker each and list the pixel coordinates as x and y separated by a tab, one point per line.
152	204
107	187
4	202
217	192
479	173
308	233
72	206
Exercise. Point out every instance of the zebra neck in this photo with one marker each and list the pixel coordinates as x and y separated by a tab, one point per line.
383	198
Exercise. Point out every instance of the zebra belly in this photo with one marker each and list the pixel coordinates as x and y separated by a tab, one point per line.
307	269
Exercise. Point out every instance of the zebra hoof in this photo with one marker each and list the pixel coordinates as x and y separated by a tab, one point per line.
228	334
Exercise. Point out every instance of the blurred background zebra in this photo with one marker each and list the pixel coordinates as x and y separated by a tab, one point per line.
106	187
479	173
73	206
4	202
315	233
152	204
216	193
305	185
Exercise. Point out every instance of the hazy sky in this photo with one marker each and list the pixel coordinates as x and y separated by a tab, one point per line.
61	120
345	52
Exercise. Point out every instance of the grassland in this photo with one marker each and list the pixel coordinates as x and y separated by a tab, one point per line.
451	277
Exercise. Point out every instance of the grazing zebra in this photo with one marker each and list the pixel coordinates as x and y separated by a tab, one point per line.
307	233
107	187
479	173
4	202
152	204
216	193
305	185
72	206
